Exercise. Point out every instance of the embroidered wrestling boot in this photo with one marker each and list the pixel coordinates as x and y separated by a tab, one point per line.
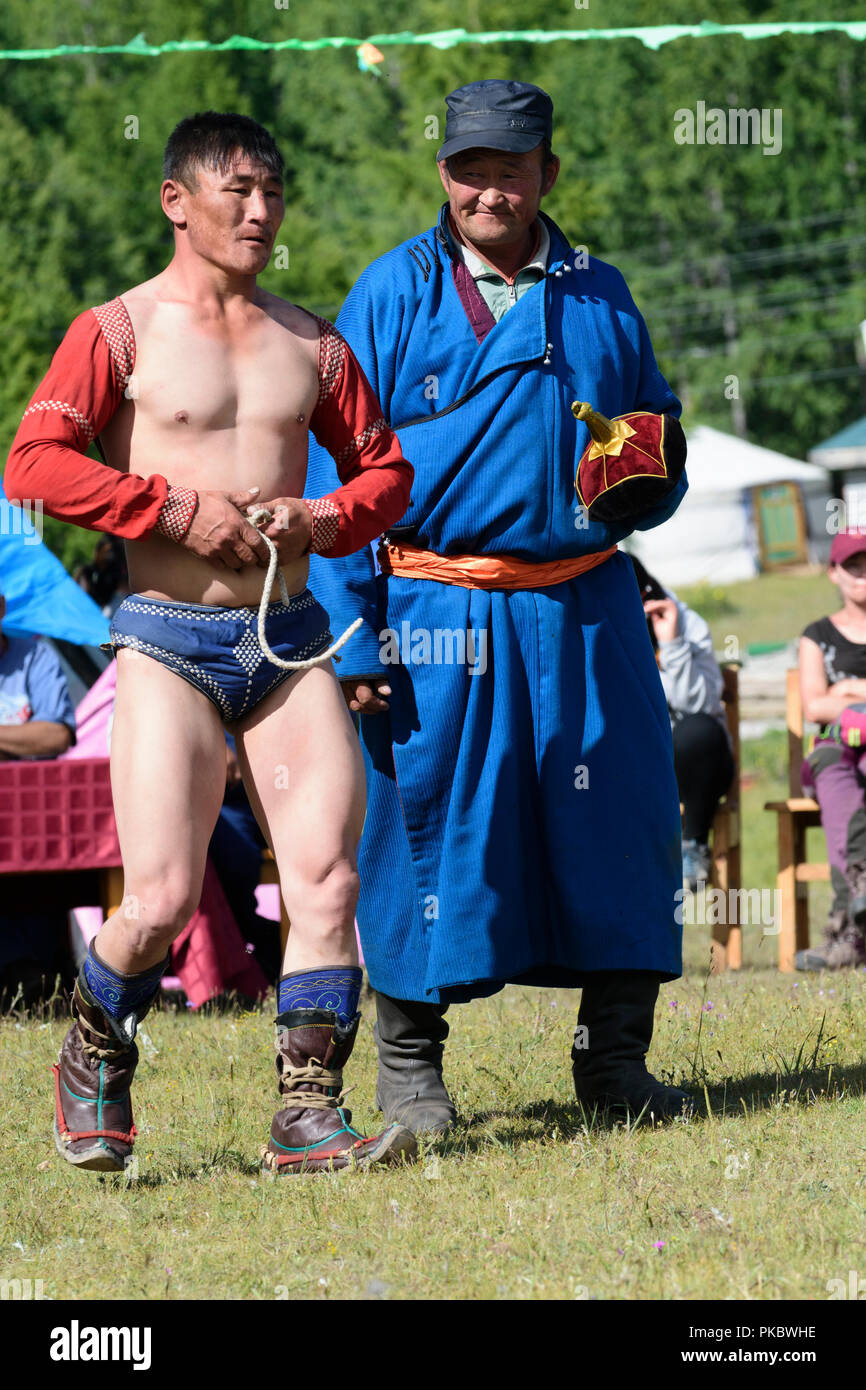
410	1089
843	946
93	1125
313	1132
617	1010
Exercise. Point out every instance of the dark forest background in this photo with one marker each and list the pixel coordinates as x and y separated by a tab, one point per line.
743	263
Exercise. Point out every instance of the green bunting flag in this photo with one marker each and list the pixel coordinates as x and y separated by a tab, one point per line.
652	36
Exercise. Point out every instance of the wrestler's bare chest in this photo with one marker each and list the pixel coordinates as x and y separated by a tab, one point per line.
215	403
211	396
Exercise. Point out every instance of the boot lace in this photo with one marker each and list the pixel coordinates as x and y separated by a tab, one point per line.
293	1077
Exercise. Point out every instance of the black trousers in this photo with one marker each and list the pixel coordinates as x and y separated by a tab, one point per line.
704	766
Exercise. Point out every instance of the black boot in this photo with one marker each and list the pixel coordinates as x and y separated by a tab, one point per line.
410	1090
615	1027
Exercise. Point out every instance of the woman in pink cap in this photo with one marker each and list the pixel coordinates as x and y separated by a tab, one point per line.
833	692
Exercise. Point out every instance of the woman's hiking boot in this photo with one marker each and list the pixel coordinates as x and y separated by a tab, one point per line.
843	947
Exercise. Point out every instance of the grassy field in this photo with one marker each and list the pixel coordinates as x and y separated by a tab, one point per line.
762	1197
770	608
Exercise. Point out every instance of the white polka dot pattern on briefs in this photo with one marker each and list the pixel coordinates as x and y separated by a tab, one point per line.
326	524
118	334
246	649
66	409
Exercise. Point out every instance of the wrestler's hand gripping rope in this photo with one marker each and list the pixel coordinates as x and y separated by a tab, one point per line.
261	516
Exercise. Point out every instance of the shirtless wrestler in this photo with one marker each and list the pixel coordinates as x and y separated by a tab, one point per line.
200	389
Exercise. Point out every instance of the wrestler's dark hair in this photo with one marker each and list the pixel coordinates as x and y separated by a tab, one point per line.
212	140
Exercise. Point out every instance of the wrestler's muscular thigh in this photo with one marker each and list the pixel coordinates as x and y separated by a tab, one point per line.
304	774
168	772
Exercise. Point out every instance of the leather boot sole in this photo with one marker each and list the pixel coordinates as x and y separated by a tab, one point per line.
396	1144
99	1158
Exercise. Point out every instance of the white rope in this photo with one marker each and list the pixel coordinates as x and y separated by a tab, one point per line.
260	516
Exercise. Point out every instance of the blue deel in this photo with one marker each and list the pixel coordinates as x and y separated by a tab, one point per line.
523	816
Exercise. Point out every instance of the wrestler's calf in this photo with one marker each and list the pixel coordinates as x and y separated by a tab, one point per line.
321	906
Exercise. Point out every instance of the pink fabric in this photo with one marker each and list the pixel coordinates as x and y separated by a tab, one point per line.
268	901
93	718
56	815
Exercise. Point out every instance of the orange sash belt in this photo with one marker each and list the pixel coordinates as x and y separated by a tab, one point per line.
485	571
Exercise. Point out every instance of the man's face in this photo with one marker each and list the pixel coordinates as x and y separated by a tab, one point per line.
495	195
231	218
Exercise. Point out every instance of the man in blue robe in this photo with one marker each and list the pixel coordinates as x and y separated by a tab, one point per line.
523	818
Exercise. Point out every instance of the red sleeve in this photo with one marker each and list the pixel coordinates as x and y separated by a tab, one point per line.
80	392
349	423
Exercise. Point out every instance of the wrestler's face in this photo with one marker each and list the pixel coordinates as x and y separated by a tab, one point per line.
494	195
231	218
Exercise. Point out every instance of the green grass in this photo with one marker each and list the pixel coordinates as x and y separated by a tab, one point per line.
769	608
763	1198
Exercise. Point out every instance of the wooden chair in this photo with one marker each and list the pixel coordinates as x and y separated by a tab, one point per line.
796	815
726	867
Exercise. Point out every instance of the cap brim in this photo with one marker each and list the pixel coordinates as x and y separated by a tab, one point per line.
848	555
514	142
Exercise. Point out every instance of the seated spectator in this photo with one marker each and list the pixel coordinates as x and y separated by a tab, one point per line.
693	684
832	682
36	721
105	578
36	715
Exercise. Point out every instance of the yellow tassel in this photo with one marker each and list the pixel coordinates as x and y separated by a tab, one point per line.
608	435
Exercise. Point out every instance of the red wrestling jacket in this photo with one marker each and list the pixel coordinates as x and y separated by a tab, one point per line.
84	386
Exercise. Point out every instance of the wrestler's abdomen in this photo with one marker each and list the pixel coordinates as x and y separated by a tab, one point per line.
217	410
159	568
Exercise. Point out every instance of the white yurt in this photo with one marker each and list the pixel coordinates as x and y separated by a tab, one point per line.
713	536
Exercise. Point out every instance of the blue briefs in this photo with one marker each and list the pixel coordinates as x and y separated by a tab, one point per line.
217	649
